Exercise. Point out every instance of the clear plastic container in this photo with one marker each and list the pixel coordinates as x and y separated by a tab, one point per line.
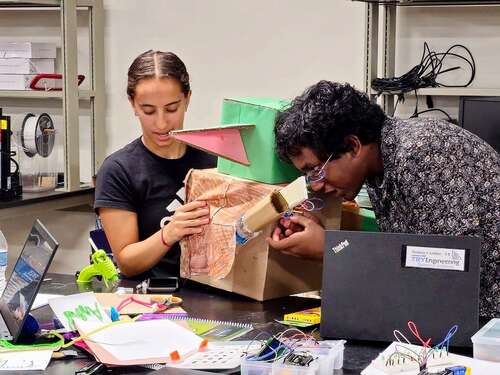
38	161
486	341
329	356
249	367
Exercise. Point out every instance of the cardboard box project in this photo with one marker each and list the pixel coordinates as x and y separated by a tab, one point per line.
37	50
265	165
253	269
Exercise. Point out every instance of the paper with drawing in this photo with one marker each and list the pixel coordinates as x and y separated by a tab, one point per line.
212	251
83	306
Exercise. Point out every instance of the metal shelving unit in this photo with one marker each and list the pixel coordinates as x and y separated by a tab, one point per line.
71	95
18	94
388	57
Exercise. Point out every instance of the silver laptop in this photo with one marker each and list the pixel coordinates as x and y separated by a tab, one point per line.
23	284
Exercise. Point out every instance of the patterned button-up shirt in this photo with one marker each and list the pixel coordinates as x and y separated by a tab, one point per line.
440	179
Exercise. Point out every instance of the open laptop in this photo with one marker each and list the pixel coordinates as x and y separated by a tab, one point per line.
374	283
23	284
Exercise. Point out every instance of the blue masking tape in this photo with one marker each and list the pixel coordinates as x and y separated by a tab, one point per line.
240	240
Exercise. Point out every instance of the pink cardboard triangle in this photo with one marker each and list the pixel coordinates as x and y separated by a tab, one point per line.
225	142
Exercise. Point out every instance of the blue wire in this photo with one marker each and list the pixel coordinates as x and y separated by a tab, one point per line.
447	338
265	356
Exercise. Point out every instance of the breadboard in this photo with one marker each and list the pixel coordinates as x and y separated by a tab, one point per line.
407	365
398	364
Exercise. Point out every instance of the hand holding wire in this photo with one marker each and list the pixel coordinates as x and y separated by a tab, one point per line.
307	243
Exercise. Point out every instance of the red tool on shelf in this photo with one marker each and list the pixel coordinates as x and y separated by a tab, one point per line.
42	82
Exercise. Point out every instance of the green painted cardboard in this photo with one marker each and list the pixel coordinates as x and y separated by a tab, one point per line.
265	165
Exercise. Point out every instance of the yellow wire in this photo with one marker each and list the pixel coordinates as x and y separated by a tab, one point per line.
97	330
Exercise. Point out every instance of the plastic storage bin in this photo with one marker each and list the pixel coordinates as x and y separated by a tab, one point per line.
487	341
329	356
277	368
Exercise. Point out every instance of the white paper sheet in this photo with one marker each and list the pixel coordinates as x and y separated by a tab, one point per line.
219	355
142	340
83	306
478	367
25	360
42	299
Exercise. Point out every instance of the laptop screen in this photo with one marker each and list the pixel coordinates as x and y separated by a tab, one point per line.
27	275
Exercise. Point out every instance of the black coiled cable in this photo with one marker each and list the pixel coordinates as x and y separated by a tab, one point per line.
425	74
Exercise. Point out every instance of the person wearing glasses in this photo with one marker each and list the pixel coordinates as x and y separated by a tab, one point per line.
423	175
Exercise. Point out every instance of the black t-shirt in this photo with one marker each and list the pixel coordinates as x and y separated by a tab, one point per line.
135	179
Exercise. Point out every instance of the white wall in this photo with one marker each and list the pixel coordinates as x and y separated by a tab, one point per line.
277	48
231	48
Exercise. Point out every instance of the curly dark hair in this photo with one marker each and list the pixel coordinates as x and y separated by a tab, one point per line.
322	117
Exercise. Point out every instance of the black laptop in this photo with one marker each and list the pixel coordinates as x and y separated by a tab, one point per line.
25	280
374	283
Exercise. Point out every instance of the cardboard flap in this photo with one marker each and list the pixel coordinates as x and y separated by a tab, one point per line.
270	208
220	141
294	193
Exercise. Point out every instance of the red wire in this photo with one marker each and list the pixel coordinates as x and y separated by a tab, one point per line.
414	330
129	300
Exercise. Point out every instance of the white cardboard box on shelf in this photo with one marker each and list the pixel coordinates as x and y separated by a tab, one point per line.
20	82
28	50
26	66
15	81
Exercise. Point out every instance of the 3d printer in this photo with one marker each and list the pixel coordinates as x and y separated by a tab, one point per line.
10	185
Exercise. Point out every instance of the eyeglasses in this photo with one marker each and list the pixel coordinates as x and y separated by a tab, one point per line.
317	174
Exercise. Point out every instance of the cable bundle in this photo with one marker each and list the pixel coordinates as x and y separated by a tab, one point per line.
425	74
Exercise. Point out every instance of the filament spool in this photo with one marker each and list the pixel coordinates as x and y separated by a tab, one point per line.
37	135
